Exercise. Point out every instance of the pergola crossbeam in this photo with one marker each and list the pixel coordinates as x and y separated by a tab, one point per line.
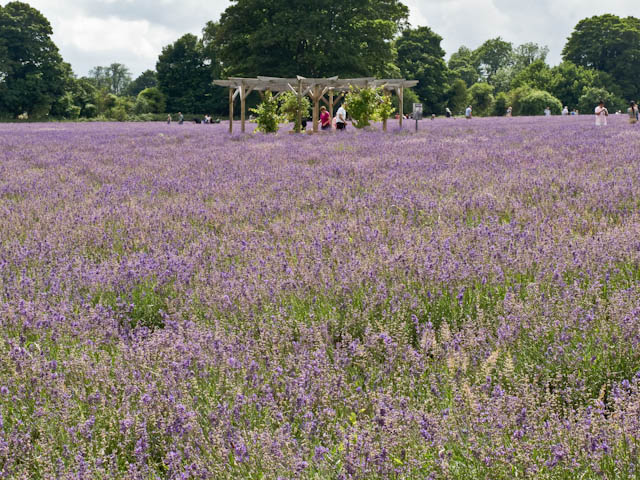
315	88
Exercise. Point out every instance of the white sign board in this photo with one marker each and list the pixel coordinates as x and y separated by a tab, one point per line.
417	111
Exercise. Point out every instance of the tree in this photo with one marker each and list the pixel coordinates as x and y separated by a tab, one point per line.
151	100
481	98
537	75
146	79
501	104
183	76
458	96
610	44
569	80
293	107
115	78
32	73
267	114
464	64
493	55
591	96
535	102
315	39
420	57
527	53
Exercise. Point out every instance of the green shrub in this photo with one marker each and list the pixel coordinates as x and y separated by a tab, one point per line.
591	96
290	104
361	103
501	104
481	98
268	119
150	100
535	102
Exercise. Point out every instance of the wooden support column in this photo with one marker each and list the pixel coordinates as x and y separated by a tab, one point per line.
299	123
331	103
316	107
387	94
231	110
242	108
401	104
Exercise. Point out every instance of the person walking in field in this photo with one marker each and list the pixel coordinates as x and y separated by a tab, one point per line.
325	119
547	112
565	111
180	118
601	114
468	113
341	119
509	111
634	113
169	119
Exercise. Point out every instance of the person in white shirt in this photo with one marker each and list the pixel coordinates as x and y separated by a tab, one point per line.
468	112
341	118
601	114
547	112
565	111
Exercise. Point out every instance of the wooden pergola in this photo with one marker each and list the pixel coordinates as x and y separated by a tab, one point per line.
326	90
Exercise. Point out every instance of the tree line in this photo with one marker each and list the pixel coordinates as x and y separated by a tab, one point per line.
351	38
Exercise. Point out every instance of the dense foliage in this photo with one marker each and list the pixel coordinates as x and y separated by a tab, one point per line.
456	304
350	38
267	116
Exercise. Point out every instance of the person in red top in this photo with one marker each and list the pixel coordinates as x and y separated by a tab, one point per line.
325	119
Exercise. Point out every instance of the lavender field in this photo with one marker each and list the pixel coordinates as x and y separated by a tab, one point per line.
460	303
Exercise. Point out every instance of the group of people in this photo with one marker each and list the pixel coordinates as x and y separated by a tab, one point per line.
602	113
339	122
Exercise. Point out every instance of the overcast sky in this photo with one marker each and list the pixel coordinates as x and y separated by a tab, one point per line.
133	32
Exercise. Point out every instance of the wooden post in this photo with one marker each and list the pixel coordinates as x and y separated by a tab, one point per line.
299	124
316	106
230	110
331	103
401	104
386	93
242	108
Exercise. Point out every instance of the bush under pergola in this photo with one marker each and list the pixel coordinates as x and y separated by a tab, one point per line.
326	90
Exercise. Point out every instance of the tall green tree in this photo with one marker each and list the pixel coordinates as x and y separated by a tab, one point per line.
537	75
314	39
610	44
568	82
527	53
493	55
146	79
458	96
32	73
481	98
420	57
464	64
115	78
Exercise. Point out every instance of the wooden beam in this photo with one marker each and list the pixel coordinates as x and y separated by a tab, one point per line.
384	122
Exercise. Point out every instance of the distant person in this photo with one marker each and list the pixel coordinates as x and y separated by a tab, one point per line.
325	119
601	114
468	113
447	112
341	119
509	111
574	112
565	111
169	119
180	118
547	112
634	114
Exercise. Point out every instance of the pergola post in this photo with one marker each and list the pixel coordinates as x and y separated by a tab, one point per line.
299	123
401	104
231	110
386	93
242	108
316	106
331	103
